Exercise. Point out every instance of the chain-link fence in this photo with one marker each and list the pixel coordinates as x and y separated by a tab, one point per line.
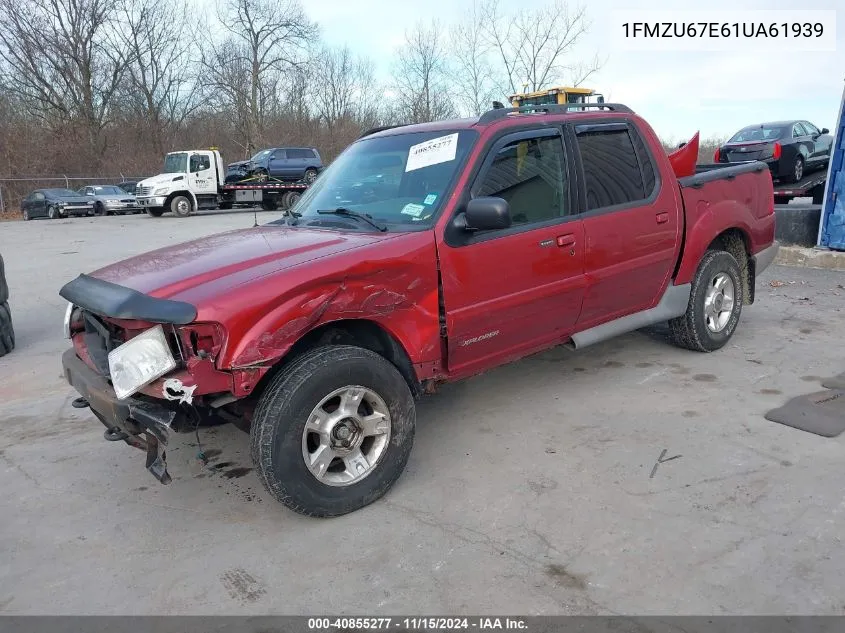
13	190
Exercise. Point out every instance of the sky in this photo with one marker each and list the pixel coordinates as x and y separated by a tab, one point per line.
679	93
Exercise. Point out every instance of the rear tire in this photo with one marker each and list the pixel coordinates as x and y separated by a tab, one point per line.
712	313
7	332
155	213
302	393
310	175
269	204
797	172
181	206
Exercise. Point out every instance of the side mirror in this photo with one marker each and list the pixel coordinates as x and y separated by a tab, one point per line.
825	130
487	214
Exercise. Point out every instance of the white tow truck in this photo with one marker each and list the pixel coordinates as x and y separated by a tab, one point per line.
196	179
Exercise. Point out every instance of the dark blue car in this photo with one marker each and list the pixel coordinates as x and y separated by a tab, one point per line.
278	163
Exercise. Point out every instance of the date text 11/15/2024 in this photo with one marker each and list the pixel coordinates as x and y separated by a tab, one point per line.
416	623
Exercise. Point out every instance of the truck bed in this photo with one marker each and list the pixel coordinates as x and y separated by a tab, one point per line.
810	186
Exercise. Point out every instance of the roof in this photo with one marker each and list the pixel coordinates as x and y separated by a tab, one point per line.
773	124
433	126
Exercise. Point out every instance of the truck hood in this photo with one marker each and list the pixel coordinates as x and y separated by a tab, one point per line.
160	179
203	269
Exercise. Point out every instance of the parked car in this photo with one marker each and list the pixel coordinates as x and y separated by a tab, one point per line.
55	203
129	186
7	332
498	237
281	163
110	200
789	148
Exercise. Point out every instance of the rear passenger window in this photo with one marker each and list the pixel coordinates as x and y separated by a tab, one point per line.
299	153
528	173
617	167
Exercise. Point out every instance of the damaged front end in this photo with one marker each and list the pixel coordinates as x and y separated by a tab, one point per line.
104	322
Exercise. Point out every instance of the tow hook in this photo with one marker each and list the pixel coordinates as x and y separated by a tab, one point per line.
157	459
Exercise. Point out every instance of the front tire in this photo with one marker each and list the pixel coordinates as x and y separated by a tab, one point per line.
181	206
155	212
333	431
715	305
53	213
25	214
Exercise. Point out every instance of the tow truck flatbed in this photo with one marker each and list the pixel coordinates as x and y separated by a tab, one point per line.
811	186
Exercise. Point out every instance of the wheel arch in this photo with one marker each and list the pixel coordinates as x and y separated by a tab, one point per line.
364	333
188	194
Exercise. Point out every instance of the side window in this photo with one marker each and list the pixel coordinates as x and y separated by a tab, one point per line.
279	154
812	130
613	172
529	174
200	163
798	130
39	196
299	153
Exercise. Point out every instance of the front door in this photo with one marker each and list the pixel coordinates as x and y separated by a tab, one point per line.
202	177
632	223
510	291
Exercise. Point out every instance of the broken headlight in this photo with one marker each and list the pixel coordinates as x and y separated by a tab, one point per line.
139	361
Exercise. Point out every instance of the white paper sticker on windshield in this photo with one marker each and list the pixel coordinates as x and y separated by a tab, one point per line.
413	210
433	152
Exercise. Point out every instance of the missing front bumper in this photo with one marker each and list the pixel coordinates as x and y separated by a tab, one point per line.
140	423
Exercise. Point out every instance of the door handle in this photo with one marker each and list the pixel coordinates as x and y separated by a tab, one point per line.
566	240
662	218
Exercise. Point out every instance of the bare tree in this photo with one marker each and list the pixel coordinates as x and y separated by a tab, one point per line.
421	76
471	69
267	38
62	61
533	46
160	87
342	92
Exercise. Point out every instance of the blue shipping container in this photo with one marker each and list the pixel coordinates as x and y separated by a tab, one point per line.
832	228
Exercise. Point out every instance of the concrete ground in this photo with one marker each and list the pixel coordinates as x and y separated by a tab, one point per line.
528	490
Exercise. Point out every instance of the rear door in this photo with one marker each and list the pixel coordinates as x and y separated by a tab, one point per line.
632	222
510	291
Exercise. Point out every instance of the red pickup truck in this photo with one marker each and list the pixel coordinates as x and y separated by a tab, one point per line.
423	254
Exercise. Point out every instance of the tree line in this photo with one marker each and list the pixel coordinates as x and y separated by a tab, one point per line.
107	86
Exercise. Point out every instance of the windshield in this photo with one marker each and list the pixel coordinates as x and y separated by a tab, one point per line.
176	163
260	155
400	181
110	189
62	193
757	133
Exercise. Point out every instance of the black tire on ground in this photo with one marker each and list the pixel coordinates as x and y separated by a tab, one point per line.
4	287
53	213
25	214
691	330
154	212
284	201
797	172
99	209
181	206
278	428
269	204
7	332
310	175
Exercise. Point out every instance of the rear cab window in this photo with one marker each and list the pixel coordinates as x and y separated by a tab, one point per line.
618	169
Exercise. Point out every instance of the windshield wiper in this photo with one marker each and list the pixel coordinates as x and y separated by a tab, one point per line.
349	213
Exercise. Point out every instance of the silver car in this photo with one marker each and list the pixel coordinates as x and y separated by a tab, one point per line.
110	200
